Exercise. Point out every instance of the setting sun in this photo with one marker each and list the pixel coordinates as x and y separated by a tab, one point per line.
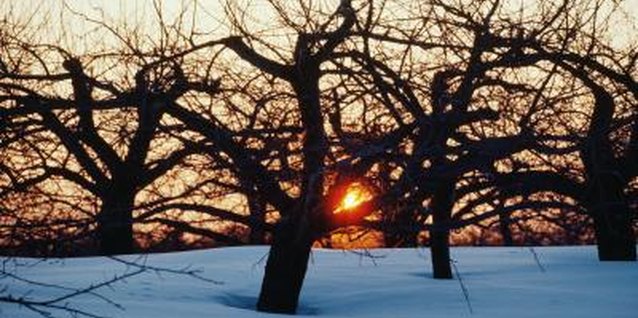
354	196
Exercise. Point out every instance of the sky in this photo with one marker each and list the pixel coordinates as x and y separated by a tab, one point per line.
207	17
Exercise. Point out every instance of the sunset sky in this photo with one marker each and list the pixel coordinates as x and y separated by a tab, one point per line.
207	17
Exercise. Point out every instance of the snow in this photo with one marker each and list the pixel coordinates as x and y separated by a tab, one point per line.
500	282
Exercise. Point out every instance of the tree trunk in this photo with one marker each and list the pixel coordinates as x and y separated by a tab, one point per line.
612	221
400	231
442	204
115	224
608	204
285	269
504	227
290	250
615	239
257	219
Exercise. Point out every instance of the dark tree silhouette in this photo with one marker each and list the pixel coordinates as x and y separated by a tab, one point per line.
104	140
456	115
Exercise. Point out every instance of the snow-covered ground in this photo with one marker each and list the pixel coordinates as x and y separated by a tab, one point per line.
500	282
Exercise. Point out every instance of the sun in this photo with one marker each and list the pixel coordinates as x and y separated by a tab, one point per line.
355	195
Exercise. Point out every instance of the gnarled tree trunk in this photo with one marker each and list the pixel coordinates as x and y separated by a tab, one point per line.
615	237
115	223
612	220
504	221
442	203
257	219
401	231
285	269
608	204
289	253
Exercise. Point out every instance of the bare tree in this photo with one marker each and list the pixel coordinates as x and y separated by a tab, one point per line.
464	114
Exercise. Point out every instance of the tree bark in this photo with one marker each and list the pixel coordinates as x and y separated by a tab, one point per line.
612	221
608	204
504	221
442	204
615	237
115	223
399	232
257	218
289	253
285	269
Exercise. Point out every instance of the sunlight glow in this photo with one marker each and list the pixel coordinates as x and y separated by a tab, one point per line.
355	195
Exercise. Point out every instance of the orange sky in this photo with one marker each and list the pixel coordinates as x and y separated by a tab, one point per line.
208	15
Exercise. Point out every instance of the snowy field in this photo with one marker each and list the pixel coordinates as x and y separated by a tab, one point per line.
500	282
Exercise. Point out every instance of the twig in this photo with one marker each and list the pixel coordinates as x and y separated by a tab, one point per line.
466	293
261	260
366	253
537	260
184	271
